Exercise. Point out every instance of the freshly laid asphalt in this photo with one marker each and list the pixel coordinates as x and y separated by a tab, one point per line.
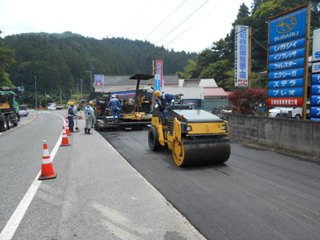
98	195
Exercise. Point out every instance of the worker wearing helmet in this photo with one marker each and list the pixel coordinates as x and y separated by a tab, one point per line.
89	116
70	115
163	102
115	106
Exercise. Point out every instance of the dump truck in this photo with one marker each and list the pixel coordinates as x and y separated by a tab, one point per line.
9	110
195	136
132	115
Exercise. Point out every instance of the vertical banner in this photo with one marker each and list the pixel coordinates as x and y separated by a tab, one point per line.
241	61
315	80
98	79
287	61
158	74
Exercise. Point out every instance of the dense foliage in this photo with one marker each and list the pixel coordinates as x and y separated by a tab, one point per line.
246	101
218	61
60	64
6	59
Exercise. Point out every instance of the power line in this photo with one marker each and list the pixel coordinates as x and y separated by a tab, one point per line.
191	26
165	19
139	13
183	21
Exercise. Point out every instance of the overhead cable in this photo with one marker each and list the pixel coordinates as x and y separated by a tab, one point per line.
183	21
165	19
191	26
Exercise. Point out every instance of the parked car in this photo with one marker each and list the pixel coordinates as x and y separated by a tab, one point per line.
52	106
60	107
23	110
286	112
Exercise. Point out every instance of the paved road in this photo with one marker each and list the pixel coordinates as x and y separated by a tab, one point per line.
255	195
96	195
21	151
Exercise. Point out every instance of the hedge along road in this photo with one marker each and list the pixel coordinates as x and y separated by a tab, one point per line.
256	195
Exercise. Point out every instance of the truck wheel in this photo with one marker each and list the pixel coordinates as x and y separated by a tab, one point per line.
9	122
298	116
153	140
3	123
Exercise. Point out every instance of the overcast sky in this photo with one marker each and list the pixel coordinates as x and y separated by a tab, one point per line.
189	25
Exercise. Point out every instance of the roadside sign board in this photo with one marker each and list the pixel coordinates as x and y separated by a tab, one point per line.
315	80
287	68
241	56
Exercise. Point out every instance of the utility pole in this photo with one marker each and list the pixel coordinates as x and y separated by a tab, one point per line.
91	67
60	97
81	88
35	92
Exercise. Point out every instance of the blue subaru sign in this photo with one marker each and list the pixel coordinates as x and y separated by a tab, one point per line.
315	112
284	74
297	53
294	63
315	100
316	79
287	83
315	89
287	54
287	46
286	92
288	27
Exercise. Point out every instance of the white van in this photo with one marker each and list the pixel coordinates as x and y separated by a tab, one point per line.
52	106
286	112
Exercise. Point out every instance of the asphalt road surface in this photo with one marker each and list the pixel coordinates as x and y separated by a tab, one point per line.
21	150
256	194
96	195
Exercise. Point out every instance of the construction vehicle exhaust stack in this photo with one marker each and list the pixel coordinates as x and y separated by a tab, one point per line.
195	137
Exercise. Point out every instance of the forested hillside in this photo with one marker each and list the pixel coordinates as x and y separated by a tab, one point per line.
57	62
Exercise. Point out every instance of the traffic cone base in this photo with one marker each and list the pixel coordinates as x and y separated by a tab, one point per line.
47	171
65	139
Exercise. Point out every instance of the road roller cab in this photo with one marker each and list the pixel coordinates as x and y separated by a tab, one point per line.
195	137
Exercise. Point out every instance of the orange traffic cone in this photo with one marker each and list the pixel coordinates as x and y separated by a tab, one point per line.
65	140
67	128
47	171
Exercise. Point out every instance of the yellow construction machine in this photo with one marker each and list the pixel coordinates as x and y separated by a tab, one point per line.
136	115
195	137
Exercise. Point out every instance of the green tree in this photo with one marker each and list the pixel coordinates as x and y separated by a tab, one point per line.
188	70
6	60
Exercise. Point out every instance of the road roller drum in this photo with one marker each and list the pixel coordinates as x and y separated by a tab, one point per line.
200	153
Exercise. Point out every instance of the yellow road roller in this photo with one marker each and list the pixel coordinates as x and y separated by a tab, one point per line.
195	137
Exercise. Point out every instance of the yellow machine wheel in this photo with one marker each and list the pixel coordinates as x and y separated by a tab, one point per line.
153	139
178	153
185	155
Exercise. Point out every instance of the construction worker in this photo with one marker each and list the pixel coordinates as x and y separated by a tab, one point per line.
164	101
115	105
71	115
89	116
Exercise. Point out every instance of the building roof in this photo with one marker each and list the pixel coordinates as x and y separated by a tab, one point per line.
117	83
112	80
208	82
215	92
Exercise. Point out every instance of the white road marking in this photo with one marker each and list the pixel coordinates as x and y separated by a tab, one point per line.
15	219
